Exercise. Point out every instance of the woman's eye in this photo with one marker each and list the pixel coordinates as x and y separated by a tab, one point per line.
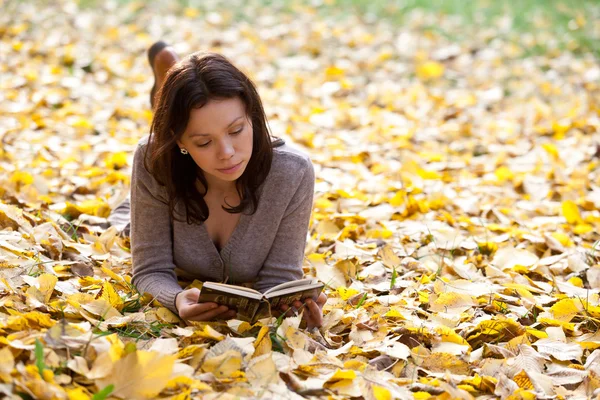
233	133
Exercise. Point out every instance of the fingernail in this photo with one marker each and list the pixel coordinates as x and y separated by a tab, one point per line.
295	310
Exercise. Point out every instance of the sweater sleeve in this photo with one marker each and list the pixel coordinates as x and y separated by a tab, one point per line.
151	236
284	261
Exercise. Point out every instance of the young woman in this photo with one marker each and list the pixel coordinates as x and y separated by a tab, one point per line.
212	196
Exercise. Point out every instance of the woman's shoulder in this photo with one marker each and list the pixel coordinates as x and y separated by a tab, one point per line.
292	158
291	169
142	142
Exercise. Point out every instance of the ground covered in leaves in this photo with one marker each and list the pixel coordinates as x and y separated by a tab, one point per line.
455	218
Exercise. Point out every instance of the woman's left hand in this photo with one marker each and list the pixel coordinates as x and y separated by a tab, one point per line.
313	310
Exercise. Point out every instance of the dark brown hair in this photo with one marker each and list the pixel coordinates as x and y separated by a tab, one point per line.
189	84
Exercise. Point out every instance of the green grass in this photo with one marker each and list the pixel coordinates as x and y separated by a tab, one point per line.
559	18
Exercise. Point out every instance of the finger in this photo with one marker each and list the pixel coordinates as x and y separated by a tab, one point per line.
191	310
313	308
322	299
198	308
298	304
315	318
208	315
288	311
227	315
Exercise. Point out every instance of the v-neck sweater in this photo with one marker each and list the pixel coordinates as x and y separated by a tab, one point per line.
265	249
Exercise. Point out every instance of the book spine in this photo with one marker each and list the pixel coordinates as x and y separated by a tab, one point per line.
263	311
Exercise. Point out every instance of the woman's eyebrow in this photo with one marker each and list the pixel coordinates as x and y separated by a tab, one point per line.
208	134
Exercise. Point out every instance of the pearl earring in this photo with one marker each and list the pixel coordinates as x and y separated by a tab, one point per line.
183	151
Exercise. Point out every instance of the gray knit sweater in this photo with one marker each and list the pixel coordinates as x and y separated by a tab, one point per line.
265	249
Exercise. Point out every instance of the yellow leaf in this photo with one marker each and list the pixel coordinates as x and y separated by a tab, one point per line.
500	329
46	283
449	335
32	319
77	393
567	326
224	365
345	293
334	72
116	160
179	381
576	281
262	344
421	395
440	362
503	174
551	149
340	374
560	128
139	375
191	12
430	70
426	174
355	365
21	178
398	199
522	379
111	296
536	333
295	339
381	393
571	212
581	229
166	315
394	313
388	257
82	123
207	332
190	350
564	239
7	363
448	300
106	269
323	204
522	394
97	207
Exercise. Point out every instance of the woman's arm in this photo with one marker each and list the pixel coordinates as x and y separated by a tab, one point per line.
284	261
151	236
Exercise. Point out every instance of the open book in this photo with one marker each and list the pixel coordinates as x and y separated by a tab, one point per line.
251	305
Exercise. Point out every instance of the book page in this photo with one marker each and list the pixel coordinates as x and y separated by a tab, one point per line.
288	298
225	286
284	285
292	290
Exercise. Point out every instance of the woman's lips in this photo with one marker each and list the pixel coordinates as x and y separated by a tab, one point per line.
232	169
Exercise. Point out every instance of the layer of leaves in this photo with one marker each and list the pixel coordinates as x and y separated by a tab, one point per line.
455	218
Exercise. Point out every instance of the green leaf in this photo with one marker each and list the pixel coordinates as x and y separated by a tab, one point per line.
362	300
101	395
39	357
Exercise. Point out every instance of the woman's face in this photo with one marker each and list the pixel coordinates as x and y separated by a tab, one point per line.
219	136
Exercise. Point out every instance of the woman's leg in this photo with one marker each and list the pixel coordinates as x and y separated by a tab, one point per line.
161	57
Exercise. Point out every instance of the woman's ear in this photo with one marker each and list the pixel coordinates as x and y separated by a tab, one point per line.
180	143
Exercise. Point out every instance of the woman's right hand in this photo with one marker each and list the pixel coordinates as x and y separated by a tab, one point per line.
189	308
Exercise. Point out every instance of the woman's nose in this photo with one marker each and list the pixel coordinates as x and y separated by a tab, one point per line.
226	150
